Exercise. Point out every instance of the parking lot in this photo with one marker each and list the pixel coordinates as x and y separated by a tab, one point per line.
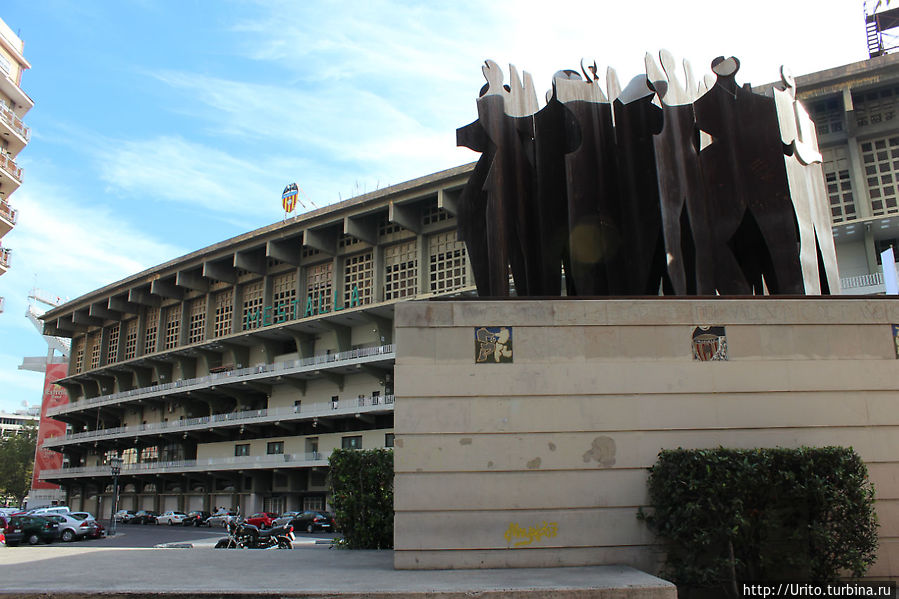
151	535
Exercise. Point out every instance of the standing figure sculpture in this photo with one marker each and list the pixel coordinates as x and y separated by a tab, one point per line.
672	185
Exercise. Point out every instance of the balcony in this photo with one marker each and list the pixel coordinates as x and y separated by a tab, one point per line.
8	217
4	259
10	175
20	99
285	460
13	129
2	304
343	407
307	367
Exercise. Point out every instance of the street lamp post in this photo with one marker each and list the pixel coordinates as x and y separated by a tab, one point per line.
115	464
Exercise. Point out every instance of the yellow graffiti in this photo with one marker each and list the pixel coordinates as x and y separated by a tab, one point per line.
530	534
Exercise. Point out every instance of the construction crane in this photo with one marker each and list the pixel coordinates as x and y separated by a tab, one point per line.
55	345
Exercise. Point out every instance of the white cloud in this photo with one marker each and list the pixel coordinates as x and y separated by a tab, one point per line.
172	169
67	250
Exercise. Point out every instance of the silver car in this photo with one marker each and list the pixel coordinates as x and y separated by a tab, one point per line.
70	527
220	519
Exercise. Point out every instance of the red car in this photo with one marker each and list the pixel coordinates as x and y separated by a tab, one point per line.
262	519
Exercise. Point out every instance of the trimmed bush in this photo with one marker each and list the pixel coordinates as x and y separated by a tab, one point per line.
731	515
362	497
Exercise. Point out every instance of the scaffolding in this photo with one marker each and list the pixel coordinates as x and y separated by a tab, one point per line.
881	28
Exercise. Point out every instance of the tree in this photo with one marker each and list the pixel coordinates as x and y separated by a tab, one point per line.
17	463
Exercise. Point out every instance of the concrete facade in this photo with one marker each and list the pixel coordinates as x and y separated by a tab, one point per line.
561	438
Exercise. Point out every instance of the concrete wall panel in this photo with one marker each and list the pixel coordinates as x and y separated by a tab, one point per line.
566	432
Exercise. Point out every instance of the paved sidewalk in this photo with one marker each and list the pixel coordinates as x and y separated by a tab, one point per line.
308	571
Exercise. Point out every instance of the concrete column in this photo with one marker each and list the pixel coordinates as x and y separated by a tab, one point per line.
104	345
857	175
377	275
870	250
141	331
210	315
123	329
185	323
267	297
337	273
424	265
237	311
303	291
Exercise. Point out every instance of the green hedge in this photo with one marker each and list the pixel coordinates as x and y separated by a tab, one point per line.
730	515
362	497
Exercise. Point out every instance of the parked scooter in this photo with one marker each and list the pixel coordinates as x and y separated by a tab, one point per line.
247	536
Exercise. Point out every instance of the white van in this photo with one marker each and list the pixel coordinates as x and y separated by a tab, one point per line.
56	509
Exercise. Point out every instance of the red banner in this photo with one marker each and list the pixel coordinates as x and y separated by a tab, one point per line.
54	395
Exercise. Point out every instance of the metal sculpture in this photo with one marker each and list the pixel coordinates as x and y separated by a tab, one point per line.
670	185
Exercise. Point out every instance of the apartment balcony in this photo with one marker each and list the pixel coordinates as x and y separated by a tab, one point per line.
2	304
13	130
4	259
20	99
340	363
8	217
280	461
340	409
10	175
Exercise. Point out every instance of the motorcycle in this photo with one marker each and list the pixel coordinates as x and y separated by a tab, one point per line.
242	535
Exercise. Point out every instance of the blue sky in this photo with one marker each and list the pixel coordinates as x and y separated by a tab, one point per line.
161	127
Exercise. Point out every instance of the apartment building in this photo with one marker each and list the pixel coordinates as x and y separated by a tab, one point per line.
14	135
11	423
226	377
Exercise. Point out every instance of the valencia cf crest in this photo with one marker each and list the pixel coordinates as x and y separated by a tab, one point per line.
289	197
709	344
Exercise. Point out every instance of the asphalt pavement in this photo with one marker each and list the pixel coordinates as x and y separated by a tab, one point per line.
119	568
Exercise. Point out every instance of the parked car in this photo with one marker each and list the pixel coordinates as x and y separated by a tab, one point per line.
196	518
285	518
144	517
70	528
32	529
220	519
262	519
312	520
56	509
171	518
96	529
124	516
99	531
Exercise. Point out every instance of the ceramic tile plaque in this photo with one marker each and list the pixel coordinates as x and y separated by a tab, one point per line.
709	344
493	345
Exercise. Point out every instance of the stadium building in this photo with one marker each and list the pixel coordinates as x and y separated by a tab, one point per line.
226	377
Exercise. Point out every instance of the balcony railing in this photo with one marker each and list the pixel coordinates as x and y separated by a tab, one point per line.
8	212
2	304
254	372
231	463
869	280
4	257
247	417
9	165
14	121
